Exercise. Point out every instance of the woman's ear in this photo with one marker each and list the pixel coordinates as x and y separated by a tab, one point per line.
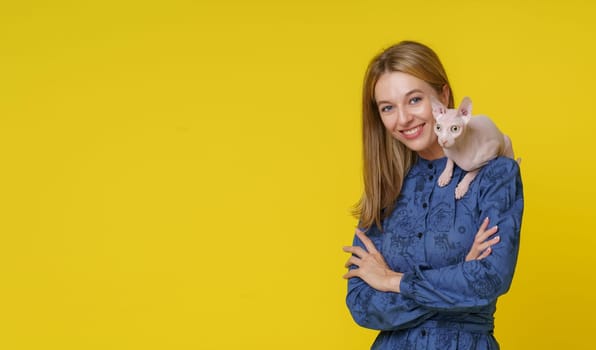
444	96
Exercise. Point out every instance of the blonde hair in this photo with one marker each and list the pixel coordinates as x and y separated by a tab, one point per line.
386	160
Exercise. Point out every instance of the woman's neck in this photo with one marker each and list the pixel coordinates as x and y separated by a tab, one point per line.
432	153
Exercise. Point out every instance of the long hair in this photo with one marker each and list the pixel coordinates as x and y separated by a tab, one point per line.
386	160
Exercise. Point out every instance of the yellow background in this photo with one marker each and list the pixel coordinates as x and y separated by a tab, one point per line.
179	174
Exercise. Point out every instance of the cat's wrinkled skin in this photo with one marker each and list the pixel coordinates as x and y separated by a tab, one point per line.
468	142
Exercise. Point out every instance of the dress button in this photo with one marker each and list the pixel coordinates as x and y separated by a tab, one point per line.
419	234
423	332
431	178
424	205
430	166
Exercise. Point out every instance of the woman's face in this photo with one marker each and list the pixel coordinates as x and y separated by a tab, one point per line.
405	109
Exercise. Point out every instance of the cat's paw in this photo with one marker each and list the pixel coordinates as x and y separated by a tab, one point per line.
444	180
461	190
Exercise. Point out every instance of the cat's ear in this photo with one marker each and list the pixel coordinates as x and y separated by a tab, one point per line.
437	106
465	109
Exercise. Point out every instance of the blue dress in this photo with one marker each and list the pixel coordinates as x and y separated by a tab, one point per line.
445	302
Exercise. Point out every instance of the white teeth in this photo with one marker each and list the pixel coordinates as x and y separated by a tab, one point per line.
411	131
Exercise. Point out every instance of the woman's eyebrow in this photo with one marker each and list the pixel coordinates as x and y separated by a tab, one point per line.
414	91
406	95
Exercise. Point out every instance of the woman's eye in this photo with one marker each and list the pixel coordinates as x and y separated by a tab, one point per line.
415	100
386	109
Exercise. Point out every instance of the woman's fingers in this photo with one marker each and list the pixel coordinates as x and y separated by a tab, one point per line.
356	250
352	273
484	246
370	247
485	253
482	236
353	260
484	224
482	242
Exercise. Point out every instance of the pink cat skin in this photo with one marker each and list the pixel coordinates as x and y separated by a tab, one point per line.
468	142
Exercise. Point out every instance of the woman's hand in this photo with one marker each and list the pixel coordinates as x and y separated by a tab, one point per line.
482	245
372	267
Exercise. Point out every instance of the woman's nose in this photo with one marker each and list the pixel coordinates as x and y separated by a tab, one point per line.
403	117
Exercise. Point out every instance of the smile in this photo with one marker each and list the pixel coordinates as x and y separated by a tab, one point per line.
413	133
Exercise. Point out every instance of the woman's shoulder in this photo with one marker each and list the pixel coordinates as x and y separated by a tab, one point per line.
500	169
503	163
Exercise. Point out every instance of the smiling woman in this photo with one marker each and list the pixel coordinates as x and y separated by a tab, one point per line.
404	109
420	274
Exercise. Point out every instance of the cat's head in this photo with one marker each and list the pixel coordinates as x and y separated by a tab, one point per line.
450	123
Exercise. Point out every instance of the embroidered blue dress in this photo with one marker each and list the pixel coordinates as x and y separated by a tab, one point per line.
445	302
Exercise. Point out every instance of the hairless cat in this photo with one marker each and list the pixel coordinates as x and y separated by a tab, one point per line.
468	142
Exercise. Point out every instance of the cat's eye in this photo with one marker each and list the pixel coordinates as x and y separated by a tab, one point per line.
454	128
438	127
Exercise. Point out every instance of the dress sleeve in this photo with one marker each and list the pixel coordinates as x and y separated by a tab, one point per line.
378	310
478	283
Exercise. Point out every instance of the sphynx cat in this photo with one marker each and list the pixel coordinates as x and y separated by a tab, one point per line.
468	142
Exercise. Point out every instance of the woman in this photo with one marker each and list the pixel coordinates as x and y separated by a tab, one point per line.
421	274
